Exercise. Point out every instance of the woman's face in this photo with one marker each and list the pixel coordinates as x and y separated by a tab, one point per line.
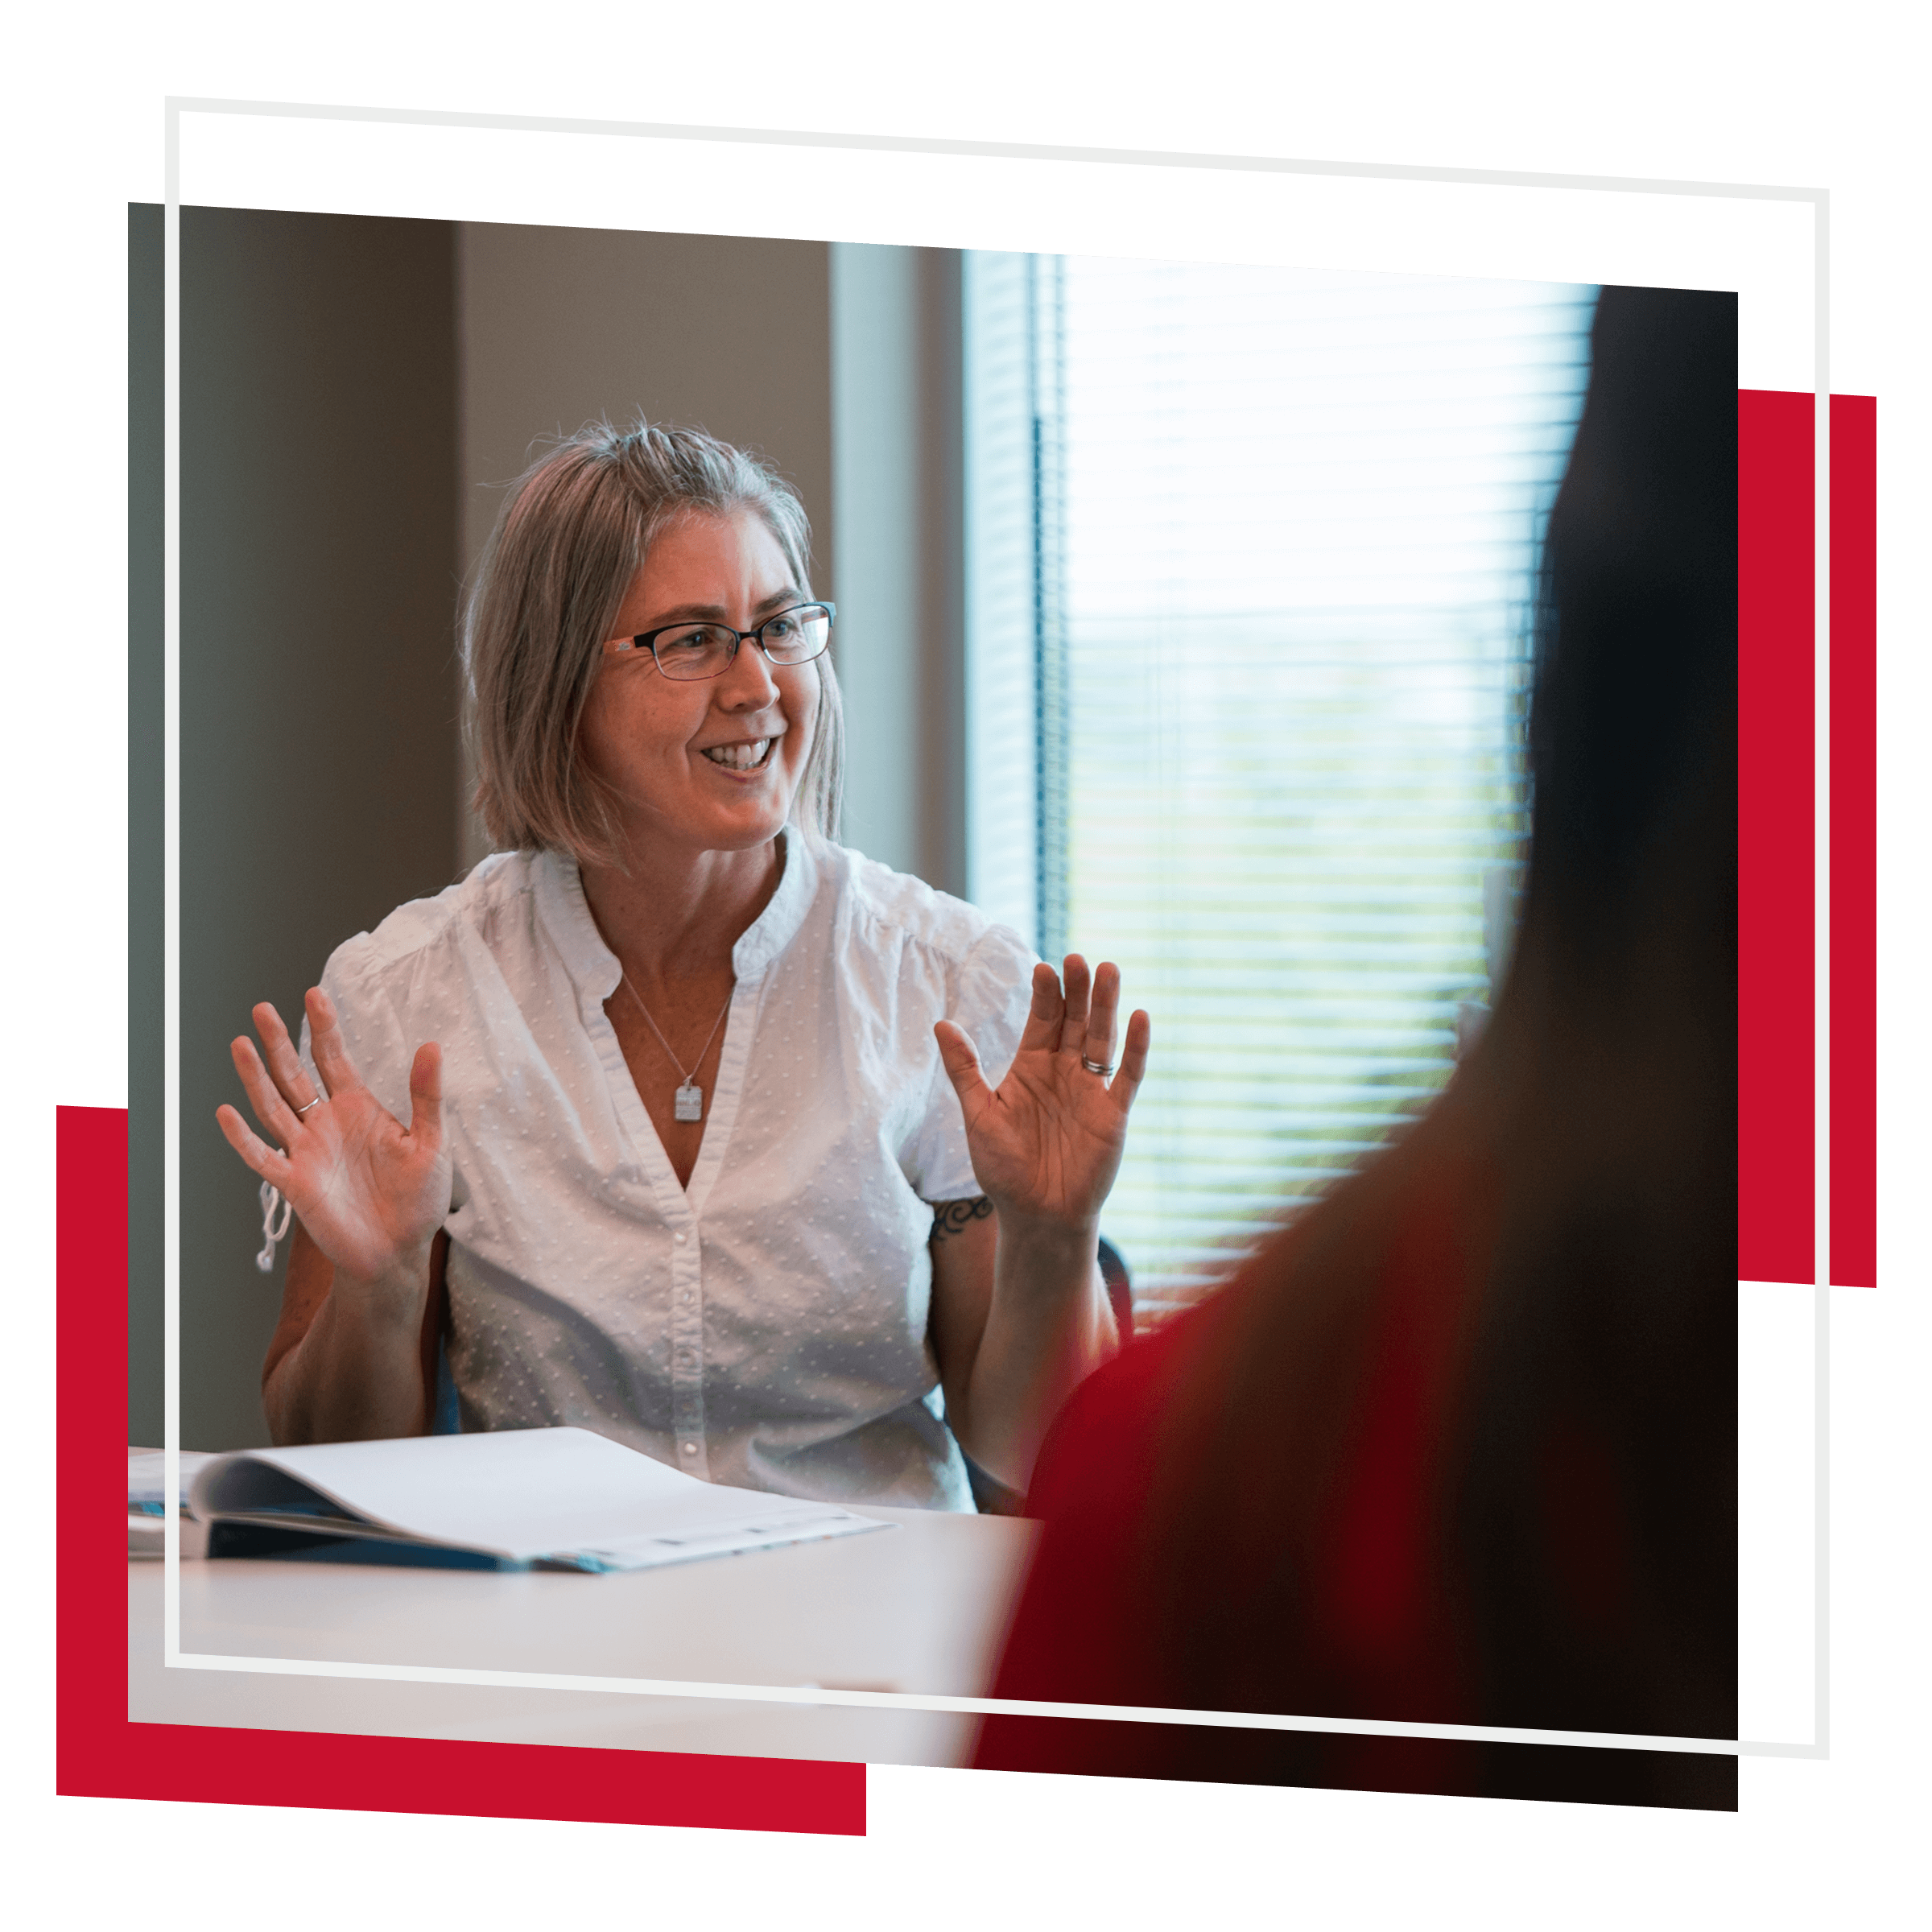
706	764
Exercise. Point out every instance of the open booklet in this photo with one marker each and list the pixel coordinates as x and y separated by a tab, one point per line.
516	1499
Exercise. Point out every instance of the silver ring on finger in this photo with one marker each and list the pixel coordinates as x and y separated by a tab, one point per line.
316	1102
1104	1068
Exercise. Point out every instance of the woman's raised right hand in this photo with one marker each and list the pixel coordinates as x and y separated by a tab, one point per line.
370	1191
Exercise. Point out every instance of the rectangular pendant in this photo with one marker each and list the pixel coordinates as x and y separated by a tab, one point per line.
689	1102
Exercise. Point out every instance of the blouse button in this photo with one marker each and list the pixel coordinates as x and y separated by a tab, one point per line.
691	1448
678	1237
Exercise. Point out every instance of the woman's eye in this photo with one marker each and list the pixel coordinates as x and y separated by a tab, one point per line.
779	629
691	643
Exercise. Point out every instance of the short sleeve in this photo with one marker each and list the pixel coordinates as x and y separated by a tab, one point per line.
994	992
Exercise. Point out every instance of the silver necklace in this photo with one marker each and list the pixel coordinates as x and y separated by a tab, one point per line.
688	1103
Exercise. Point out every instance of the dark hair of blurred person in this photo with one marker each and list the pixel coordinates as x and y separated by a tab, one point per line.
1459	1445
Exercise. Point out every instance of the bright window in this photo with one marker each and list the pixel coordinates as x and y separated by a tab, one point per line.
1251	561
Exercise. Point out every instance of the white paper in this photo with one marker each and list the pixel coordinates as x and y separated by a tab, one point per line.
526	1495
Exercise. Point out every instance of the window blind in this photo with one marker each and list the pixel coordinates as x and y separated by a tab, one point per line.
1251	557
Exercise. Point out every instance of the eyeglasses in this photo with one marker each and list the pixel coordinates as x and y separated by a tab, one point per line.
705	651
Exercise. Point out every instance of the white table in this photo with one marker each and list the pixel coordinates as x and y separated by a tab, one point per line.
917	1609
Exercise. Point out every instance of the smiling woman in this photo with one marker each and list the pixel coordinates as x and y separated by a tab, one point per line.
607	536
696	742
669	1120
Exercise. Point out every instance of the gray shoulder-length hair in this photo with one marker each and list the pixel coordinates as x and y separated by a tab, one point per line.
568	542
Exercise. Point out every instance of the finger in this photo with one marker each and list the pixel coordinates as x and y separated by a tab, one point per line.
271	1110
1132	1068
285	1066
426	1096
1079	990
1103	1015
326	1042
271	1162
960	1059
1042	1034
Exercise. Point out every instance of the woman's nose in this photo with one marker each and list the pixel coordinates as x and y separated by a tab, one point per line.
747	683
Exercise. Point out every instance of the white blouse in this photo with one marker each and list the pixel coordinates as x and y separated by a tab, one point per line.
766	1326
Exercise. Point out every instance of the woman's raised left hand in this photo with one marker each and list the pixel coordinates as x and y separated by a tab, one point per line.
1047	1143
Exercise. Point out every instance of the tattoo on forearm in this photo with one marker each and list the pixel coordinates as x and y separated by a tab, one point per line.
950	1217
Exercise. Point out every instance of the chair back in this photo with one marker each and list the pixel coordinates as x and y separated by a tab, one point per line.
1120	1288
444	1417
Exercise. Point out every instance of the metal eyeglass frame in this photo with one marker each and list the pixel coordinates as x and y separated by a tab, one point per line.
647	640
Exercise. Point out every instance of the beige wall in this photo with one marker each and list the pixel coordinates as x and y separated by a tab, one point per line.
898	429
318	693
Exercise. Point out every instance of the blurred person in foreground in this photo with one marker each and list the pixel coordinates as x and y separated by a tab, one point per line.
1460	1445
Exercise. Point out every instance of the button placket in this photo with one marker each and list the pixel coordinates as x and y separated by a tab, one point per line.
687	1336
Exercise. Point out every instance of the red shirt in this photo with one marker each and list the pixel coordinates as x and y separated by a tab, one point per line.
1315	1588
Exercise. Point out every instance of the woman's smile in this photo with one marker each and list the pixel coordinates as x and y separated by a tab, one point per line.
743	756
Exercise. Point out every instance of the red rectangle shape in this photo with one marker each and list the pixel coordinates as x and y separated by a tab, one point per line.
98	1753
1854	994
1776	837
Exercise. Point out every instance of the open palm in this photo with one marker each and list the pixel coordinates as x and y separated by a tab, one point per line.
370	1191
1047	1143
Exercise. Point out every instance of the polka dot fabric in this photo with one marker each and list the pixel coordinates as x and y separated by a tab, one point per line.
766	1326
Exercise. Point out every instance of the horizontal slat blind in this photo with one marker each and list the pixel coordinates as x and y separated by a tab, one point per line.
1296	518
1001	561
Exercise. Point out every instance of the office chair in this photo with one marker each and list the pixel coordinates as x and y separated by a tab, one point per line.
444	1417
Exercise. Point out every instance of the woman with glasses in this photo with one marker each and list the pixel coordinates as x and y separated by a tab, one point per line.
668	1121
